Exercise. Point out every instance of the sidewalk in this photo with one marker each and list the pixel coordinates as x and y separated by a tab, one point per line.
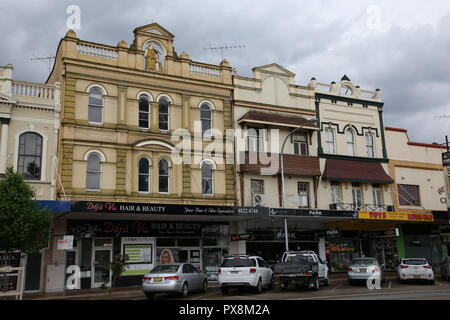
135	291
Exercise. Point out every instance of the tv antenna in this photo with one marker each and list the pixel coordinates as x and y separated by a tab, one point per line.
49	58
223	47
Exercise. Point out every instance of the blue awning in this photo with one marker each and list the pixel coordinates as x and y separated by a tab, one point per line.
54	205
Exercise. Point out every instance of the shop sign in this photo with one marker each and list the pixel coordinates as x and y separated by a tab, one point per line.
388	233
313	213
329	233
87	229
66	243
165	209
401	216
140	254
276	235
238	237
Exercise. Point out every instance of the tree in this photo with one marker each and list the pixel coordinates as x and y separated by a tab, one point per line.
23	226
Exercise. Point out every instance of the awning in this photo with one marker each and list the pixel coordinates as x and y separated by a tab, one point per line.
355	171
276	119
54	205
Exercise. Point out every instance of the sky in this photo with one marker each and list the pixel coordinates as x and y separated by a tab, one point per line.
401	47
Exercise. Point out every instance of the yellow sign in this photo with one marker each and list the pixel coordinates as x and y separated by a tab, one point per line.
400	216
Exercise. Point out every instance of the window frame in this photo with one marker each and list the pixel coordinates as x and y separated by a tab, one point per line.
210	109
350	143
168	176
416	192
335	186
169	102
148	174
299	143
102	107
19	155
258	138
149	100
357	190
370	146
100	172
306	193
332	142
211	165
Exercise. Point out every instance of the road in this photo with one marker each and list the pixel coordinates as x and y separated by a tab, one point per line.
338	290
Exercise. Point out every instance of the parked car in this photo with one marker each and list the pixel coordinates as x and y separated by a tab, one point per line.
180	278
414	269
301	268
445	268
361	269
240	271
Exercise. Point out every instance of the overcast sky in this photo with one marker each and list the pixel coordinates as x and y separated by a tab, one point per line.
401	47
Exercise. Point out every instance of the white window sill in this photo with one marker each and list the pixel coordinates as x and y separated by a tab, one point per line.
96	124
93	190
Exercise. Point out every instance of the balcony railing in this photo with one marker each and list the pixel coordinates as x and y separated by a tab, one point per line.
363	207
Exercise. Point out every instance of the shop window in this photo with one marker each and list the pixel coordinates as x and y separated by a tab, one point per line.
370	145
303	194
350	142
300	141
95	105
215	242
188	242
163	114
206	119
144	175
330	141
30	156
165	242
408	195
144	112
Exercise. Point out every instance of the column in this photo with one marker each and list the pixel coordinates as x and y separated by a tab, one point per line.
4	145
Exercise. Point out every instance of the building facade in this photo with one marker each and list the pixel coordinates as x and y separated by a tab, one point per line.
30	122
141	148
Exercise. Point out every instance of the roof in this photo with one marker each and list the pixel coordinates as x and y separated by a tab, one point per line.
355	171
278	119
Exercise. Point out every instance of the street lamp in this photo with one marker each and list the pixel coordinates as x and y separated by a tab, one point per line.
282	176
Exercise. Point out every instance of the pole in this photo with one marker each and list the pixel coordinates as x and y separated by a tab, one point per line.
282	178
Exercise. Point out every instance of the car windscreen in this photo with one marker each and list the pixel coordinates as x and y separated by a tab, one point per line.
363	262
238	263
298	258
166	268
414	262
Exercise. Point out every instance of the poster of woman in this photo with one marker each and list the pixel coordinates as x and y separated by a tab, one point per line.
166	257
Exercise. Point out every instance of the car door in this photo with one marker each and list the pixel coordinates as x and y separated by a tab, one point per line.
268	270
188	276
263	271
322	267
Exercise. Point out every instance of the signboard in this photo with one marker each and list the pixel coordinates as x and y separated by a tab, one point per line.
166	209
66	243
388	233
237	237
399	216
113	228
140	254
446	158
313	213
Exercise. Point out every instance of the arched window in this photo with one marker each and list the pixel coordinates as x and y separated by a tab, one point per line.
95	112
163	114
370	145
205	117
144	175
144	112
30	156
163	167
330	141
207	179
350	142
93	172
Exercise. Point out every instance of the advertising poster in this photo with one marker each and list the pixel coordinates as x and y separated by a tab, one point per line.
140	254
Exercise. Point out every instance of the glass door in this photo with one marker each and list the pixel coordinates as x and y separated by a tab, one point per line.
101	259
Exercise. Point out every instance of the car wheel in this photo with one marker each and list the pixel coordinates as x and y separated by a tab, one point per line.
315	283
205	286
326	283
284	285
259	288
224	290
149	296
184	290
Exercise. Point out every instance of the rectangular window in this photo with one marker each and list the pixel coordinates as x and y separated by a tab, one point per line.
336	194
356	195
330	141
300	141
257	186
255	142
303	194
370	147
376	191
408	195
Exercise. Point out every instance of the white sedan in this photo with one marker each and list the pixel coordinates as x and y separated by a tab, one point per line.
415	269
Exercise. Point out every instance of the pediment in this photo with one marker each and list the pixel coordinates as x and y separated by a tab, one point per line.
4	98
154	29
274	68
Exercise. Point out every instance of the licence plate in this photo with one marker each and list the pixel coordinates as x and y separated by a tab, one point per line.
363	270
157	279
234	272
417	277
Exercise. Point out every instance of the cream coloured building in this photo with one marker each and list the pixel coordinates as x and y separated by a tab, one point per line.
30	122
124	109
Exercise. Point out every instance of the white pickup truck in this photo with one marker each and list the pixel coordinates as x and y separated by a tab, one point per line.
301	268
